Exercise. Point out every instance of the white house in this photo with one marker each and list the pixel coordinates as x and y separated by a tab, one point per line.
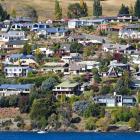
15	89
16	71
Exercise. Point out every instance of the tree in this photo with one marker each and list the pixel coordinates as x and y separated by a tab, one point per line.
90	123
133	123
27	49
76	48
94	71
137	8
49	84
97	8
77	10
97	78
41	110
3	14
58	10
103	123
124	10
32	13
105	89
131	10
14	13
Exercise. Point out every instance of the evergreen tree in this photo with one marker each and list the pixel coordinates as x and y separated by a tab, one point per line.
124	10
97	8
58	10
84	10
3	14
137	8
13	13
77	10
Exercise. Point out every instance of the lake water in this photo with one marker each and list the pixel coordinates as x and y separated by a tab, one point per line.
68	136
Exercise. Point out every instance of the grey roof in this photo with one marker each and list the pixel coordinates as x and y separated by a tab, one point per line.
16	42
16	86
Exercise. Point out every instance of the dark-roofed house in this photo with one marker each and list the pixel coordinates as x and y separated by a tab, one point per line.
115	100
15	89
14	44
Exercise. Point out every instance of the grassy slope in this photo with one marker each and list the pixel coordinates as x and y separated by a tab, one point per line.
45	8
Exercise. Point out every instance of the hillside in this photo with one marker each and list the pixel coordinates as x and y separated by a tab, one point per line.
45	8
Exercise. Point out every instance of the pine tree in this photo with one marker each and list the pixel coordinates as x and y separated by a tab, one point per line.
14	13
97	8
124	10
131	10
3	14
81	3
137	8
58	10
84	8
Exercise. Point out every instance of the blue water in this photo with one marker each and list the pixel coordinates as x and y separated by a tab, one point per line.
68	136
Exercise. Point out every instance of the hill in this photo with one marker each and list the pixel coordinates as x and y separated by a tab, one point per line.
45	8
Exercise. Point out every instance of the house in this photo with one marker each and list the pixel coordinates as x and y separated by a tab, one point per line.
90	64
115	100
75	68
39	26
26	62
15	57
55	67
129	34
45	51
67	88
76	23
16	71
72	57
116	69
6	25
21	26
118	48
12	35
126	18
13	44
15	89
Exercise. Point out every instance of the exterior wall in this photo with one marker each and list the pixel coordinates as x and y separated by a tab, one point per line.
15	72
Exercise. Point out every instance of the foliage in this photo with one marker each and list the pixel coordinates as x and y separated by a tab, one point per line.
137	8
11	101
105	89
41	110
38	79
94	110
14	13
76	10
80	106
27	49
97	78
133	123
103	123
24	104
97	8
122	114
49	84
90	123
76	47
58	10
3	14
124	10
122	86
94	71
